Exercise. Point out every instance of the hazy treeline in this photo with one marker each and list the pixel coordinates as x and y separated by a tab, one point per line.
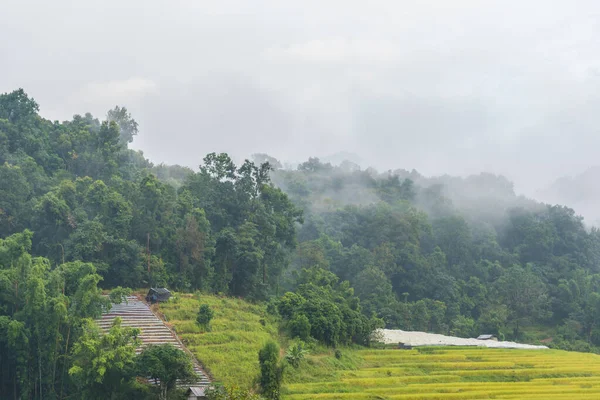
335	250
87	197
80	211
453	255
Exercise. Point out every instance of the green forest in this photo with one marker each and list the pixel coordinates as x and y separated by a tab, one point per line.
334	250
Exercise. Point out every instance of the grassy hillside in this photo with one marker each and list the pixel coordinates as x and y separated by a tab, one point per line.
460	373
240	329
229	351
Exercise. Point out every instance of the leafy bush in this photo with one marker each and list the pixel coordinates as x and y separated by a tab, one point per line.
119	295
271	371
205	315
299	327
295	354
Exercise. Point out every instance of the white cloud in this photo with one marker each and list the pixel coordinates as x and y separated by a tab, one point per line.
337	50
128	90
442	86
98	97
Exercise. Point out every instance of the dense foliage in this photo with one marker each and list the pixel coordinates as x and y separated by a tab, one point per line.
88	198
324	309
450	255
337	250
44	311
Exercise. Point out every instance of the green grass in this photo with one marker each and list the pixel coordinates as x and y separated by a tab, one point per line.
321	364
229	352
454	373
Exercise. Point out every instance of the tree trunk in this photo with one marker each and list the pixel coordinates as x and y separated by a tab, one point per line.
55	359
17	296
163	391
40	370
62	381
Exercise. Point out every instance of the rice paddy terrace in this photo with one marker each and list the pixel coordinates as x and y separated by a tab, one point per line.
460	373
240	329
135	313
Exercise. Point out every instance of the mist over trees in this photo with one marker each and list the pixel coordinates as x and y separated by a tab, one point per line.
446	254
335	250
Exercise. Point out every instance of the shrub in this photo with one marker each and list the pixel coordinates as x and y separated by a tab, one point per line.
205	315
295	354
271	372
119	295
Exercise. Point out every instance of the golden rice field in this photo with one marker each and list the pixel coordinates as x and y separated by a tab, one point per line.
240	329
459	373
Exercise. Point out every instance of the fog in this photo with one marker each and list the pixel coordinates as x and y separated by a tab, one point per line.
507	87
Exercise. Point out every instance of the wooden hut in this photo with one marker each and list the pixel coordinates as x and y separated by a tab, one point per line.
158	294
487	337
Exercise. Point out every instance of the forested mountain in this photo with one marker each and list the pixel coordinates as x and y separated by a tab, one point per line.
79	209
335	250
448	254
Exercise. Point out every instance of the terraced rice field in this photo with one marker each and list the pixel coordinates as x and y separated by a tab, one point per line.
135	313
460	373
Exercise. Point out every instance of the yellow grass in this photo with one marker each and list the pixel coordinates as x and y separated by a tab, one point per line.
459	373
240	329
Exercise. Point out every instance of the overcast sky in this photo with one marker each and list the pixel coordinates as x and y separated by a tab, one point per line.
441	86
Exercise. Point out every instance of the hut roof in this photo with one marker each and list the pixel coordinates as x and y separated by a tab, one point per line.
160	291
198	391
159	294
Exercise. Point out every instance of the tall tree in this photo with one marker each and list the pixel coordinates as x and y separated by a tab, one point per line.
128	127
104	364
524	294
167	364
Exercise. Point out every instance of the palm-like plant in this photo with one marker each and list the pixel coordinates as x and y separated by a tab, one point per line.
295	354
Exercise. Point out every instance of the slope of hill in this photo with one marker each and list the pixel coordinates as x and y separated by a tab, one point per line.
136	314
229	351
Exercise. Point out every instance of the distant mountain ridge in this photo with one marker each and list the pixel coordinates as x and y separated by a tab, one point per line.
580	192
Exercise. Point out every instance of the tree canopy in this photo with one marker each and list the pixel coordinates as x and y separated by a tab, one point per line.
336	250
